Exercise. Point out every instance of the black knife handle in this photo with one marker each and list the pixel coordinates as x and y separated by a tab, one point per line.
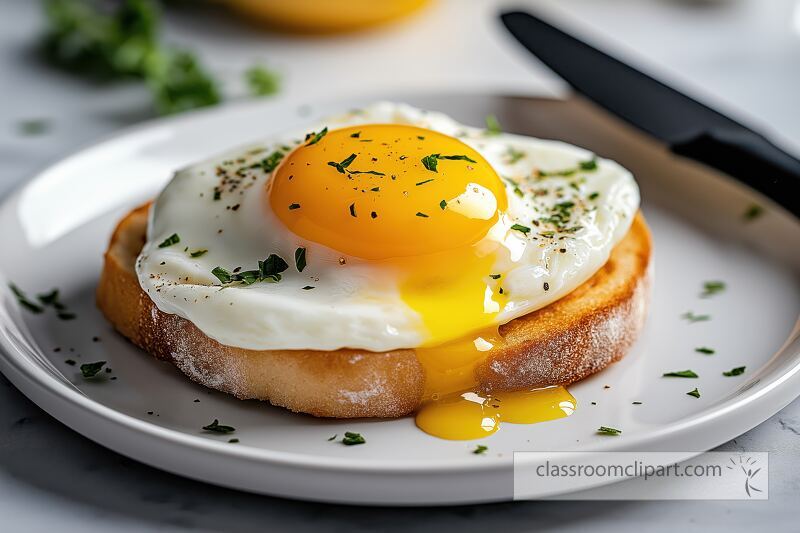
750	158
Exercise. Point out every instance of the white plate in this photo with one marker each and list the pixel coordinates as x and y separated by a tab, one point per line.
54	231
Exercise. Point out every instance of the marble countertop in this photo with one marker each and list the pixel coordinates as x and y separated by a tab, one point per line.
740	55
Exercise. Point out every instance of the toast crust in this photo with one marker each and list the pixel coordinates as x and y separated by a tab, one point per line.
568	340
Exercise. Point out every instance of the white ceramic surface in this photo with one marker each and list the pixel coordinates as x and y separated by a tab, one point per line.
58	225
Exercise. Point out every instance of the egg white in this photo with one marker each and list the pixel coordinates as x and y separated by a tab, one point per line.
356	303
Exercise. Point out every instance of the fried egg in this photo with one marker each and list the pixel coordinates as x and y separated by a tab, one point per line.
384	228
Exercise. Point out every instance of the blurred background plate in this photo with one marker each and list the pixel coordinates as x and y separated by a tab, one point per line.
58	225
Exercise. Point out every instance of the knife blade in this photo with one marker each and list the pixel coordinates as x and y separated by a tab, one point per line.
690	128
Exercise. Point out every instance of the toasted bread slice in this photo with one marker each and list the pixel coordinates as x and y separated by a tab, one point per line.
566	341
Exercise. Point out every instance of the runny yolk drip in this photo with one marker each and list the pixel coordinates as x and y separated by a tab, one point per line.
419	203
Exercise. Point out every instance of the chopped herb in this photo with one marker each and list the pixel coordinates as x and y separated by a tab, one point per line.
269	163
23	300
198	253
605	430
430	162
308	288
421	137
424	182
443	204
703	349
104	44
222	275
66	316
495	276
753	212
292	207
421	214
351	439
261	81
216	427
353	210
594	196
70	362
51	298
373	172
333	437
636	403
521	228
695	393
493	125
588	165
375	189
681	374
343	164
233	441
36	126
355	135
314	138
710	288
739	370
90	370
300	259
514	155
480	449
691	317
169	241
273	265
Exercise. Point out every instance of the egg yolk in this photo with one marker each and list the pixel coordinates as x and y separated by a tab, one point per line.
381	191
420	203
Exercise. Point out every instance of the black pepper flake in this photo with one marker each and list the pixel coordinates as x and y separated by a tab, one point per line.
546	286
353	210
292	207
374	214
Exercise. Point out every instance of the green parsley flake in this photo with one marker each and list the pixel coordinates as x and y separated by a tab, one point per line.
443	204
430	162
424	182
705	350
90	370
495	276
355	135
605	430
521	228
480	449
261	81
681	374
23	300
514	155
695	393
36	126
198	253
753	212
710	288
351	439
300	259
169	241
692	318
216	427
343	164
421	214
739	370
294	206
493	125
314	138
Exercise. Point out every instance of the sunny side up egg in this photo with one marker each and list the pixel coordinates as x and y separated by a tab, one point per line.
387	228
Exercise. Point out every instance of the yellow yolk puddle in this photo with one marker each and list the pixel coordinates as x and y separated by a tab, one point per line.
454	408
471	415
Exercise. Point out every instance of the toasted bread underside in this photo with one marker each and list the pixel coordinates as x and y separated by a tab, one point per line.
576	336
